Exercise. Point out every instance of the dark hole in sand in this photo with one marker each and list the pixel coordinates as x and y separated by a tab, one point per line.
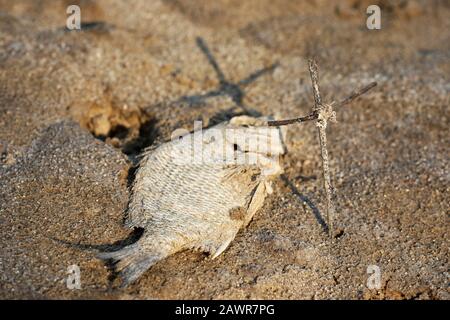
147	135
119	132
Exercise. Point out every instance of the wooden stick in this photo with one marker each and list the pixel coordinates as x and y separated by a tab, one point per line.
314	115
278	123
322	113
314	73
322	126
356	94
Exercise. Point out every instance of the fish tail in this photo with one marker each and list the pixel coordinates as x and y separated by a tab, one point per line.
130	262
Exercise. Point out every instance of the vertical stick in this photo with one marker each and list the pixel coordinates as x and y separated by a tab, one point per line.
326	177
322	126
314	72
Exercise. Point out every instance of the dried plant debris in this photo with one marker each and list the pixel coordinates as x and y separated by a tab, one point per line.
198	190
323	113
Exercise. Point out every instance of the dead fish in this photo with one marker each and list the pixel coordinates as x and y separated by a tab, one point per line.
186	198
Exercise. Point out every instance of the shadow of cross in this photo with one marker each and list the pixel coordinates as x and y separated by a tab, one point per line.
226	88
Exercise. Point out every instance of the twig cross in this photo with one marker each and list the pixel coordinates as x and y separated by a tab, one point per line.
323	113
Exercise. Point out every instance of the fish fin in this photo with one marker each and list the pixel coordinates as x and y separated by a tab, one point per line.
256	202
129	263
222	247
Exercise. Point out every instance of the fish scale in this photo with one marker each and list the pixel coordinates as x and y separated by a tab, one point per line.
188	205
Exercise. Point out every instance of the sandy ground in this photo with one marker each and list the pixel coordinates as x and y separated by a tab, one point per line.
76	108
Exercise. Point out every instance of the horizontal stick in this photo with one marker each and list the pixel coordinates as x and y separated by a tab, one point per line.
276	123
356	94
314	115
